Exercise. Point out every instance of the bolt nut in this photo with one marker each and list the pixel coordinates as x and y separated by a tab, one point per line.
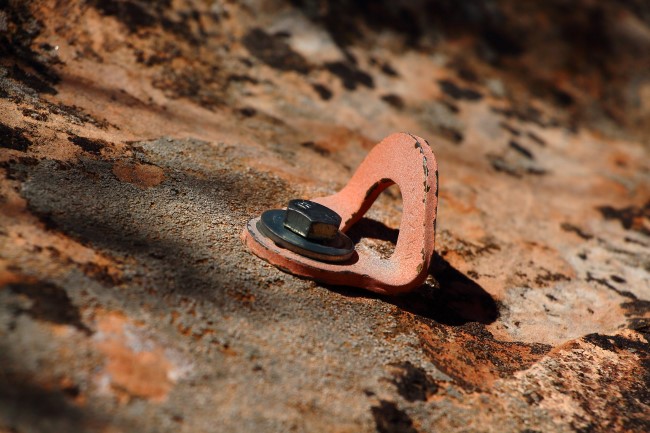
312	220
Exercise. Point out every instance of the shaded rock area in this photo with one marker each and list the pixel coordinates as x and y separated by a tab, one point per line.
138	138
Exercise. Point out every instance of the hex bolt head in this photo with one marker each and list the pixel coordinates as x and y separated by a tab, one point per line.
312	220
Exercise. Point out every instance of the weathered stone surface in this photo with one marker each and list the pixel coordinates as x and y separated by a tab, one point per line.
137	139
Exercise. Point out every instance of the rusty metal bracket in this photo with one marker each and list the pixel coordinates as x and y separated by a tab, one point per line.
402	159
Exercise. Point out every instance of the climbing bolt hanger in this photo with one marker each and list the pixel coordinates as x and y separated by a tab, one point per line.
308	238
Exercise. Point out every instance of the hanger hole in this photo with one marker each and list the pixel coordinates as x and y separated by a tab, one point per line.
378	230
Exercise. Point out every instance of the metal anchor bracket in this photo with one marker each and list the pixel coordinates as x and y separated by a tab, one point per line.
402	159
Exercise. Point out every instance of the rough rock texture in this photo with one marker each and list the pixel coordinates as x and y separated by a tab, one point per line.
137	139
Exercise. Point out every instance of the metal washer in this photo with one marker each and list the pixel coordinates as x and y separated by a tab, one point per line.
339	249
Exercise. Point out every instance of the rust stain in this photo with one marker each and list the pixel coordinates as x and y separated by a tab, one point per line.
141	175
472	356
132	373
8	277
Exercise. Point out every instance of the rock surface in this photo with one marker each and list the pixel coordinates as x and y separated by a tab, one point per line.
138	138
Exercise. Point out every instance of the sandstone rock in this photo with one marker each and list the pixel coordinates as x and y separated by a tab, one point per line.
137	139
